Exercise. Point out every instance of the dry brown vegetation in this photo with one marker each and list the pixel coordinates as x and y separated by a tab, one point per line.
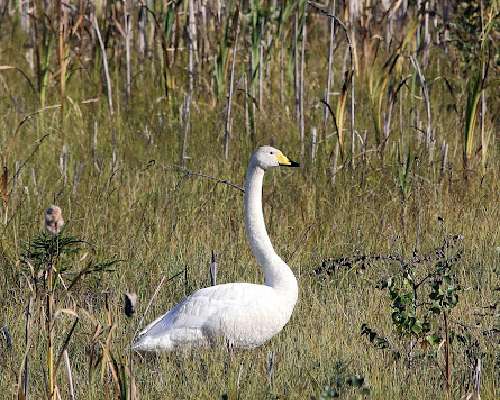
138	119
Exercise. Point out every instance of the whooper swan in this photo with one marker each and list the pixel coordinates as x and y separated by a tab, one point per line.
245	315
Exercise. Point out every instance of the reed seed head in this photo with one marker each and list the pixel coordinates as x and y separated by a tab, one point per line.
54	220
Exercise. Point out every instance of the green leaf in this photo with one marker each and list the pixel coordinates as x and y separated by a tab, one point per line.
169	21
416	328
407	298
433	339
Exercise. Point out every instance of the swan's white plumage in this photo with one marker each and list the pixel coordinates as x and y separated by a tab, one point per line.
245	315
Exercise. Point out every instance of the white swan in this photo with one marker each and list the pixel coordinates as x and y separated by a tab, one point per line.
245	315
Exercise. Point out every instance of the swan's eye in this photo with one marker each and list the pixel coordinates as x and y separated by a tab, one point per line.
272	152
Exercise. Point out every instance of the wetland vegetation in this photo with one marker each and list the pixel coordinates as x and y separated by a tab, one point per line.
138	120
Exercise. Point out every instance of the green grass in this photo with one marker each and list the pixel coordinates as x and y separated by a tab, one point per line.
157	221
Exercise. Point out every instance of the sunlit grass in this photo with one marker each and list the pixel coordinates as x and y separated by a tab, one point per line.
124	194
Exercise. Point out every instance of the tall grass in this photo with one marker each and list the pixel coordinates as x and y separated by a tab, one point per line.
124	193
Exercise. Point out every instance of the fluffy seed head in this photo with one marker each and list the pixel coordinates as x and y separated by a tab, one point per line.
54	220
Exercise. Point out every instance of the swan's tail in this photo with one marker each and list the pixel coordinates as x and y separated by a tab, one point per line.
147	342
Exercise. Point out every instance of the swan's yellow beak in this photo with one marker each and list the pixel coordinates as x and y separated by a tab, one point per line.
284	161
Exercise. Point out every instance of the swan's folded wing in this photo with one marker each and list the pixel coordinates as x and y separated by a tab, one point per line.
204	308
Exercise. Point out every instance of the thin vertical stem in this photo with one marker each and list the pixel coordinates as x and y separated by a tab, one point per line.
188	98
330	77
301	80
70	375
250	94
50	333
25	17
62	59
477	379
425	90
296	66
213	269
282	72
334	155
444	160
447	354
105	66
141	27
484	139
126	17
353	53
227	131
427	35
186	279
4	189
95	161
261	64
353	127
419	28
27	335
446	34
247	116
314	143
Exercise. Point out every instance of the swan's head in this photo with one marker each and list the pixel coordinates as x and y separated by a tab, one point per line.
269	157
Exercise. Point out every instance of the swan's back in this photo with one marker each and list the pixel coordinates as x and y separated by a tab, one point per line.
244	314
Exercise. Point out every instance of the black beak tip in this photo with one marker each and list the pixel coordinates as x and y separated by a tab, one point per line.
294	164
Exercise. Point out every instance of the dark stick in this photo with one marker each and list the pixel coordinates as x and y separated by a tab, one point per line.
66	342
188	173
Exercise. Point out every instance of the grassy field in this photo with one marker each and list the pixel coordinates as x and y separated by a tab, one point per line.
126	174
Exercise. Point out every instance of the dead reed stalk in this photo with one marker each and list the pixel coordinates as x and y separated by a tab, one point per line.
104	65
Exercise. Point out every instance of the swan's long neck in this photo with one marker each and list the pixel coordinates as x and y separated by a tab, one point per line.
276	272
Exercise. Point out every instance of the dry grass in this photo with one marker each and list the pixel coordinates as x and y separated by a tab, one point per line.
115	178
